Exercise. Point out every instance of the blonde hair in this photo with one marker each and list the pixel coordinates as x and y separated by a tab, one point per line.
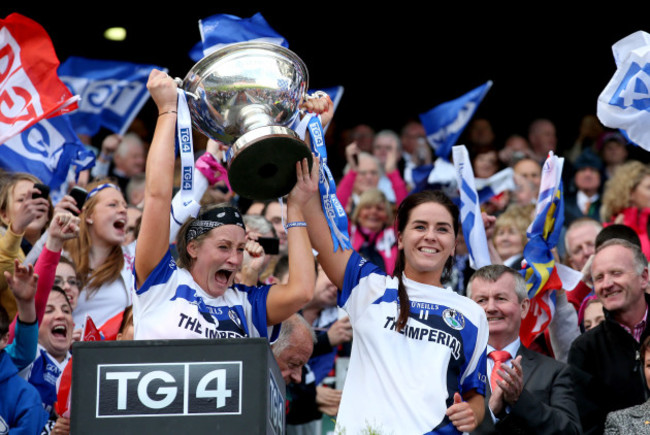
518	217
79	251
369	198
7	190
618	189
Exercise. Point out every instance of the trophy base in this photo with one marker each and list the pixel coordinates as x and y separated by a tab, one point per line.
264	162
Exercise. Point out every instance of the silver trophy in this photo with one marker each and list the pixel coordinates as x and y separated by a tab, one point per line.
246	95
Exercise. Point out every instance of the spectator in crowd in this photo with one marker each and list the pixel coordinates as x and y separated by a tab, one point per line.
509	236
485	162
613	153
592	314
135	190
528	175
371	233
542	138
626	200
293	347
590	131
363	135
585	201
103	264
415	150
386	148
515	148
24	219
200	292
54	341
604	384
21	409
578	295
529	392
129	159
633	420
580	241
133	217
323	315
480	134
253	272
126	326
275	213
364	172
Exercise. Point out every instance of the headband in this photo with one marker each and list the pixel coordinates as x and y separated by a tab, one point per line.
214	218
97	189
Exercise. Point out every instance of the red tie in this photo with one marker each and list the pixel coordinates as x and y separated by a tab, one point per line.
499	357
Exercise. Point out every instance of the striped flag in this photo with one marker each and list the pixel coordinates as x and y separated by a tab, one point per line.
470	210
543	233
30	89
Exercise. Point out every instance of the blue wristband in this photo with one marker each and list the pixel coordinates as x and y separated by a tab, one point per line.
296	224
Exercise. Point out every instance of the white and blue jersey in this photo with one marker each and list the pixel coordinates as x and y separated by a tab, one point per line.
403	382
171	305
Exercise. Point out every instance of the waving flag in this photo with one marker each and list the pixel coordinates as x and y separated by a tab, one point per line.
445	123
112	92
543	233
490	187
470	210
30	90
222	29
625	101
441	175
47	150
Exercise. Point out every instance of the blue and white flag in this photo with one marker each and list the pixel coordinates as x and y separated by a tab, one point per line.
470	210
625	101
223	29
445	122
47	150
112	93
499	182
440	175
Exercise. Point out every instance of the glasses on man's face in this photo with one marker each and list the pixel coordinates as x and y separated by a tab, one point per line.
60	281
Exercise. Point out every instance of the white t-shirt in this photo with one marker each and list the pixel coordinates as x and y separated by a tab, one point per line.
109	299
404	382
171	305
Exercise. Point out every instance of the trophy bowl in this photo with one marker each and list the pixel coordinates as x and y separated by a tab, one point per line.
246	95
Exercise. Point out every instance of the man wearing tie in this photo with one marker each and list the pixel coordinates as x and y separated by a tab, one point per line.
529	392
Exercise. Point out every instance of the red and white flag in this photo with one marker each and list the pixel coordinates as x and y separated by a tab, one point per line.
90	332
30	89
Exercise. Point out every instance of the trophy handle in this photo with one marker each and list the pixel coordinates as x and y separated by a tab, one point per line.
179	83
317	94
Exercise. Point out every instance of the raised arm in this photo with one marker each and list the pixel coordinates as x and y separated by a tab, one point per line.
153	241
64	226
284	300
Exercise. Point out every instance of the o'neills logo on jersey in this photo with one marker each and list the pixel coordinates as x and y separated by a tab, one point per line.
170	389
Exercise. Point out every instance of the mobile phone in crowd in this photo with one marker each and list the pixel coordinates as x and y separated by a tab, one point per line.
79	194
271	245
45	191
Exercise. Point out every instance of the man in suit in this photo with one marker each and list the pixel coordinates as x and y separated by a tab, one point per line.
527	392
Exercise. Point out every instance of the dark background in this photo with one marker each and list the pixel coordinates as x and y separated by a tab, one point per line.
395	61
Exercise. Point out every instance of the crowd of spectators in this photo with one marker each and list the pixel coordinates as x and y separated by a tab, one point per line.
64	262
